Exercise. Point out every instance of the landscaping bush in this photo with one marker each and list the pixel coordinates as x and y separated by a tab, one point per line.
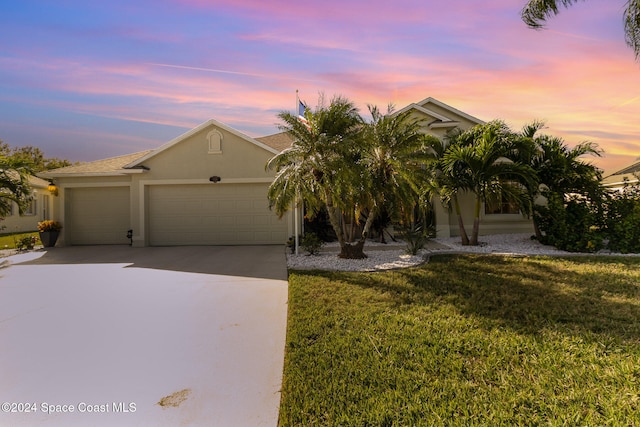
416	237
574	225
623	220
311	243
26	243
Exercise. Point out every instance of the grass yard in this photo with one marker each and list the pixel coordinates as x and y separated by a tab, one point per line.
8	241
466	341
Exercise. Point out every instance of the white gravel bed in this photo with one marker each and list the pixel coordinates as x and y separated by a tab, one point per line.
386	257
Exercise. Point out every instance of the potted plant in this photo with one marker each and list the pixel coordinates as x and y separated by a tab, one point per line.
49	232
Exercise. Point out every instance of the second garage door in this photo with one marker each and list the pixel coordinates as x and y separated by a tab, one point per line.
213	214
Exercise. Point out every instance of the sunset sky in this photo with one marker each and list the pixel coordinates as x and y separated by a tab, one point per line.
87	80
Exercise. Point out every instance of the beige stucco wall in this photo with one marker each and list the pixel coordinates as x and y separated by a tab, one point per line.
447	221
190	159
16	223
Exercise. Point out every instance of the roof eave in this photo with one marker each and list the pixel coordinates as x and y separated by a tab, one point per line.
90	174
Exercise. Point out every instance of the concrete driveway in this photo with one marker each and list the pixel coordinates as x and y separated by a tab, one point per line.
106	336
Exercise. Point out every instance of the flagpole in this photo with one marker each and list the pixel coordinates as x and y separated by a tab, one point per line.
295	206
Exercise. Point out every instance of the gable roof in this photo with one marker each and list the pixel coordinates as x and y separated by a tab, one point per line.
279	141
110	166
426	106
138	162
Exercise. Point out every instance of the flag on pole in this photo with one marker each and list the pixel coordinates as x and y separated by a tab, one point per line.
301	111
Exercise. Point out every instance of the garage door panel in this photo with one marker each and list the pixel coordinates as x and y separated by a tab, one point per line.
220	214
98	216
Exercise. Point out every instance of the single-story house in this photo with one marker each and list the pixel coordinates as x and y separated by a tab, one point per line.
38	210
209	187
440	118
205	187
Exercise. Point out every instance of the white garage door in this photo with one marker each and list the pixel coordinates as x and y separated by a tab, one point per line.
97	216
213	214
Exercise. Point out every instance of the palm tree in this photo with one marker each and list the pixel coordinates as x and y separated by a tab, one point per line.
561	170
536	12
321	167
393	157
442	182
482	163
14	185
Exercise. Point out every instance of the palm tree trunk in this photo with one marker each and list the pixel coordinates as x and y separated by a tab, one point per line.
356	250
334	219
476	222
536	228
352	251
463	232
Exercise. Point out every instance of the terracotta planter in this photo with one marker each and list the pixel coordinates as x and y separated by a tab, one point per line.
49	238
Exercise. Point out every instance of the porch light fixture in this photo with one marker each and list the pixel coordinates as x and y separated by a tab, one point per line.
215	179
52	188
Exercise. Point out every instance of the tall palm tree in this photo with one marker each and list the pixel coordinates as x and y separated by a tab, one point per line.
536	12
321	167
14	185
482	163
445	183
394	156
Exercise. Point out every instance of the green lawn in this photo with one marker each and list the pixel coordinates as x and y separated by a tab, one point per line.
8	241
464	341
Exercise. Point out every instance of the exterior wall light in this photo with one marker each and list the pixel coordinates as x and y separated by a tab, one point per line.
52	189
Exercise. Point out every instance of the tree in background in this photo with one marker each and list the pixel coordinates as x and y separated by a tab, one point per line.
14	185
32	156
536	12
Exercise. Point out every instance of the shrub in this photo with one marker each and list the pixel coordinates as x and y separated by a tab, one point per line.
311	243
574	225
26	243
623	220
416	237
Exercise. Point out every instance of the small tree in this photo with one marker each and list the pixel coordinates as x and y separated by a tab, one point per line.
14	185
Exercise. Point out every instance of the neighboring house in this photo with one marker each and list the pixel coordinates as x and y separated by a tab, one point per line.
617	179
206	187
209	187
38	210
440	118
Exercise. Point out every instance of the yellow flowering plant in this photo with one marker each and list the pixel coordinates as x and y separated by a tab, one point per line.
49	225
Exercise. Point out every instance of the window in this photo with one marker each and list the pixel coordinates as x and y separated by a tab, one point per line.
502	207
32	207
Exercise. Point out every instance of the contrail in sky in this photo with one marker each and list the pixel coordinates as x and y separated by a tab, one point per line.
238	73
210	70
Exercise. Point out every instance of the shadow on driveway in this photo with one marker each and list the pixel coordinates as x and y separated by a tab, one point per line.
263	262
